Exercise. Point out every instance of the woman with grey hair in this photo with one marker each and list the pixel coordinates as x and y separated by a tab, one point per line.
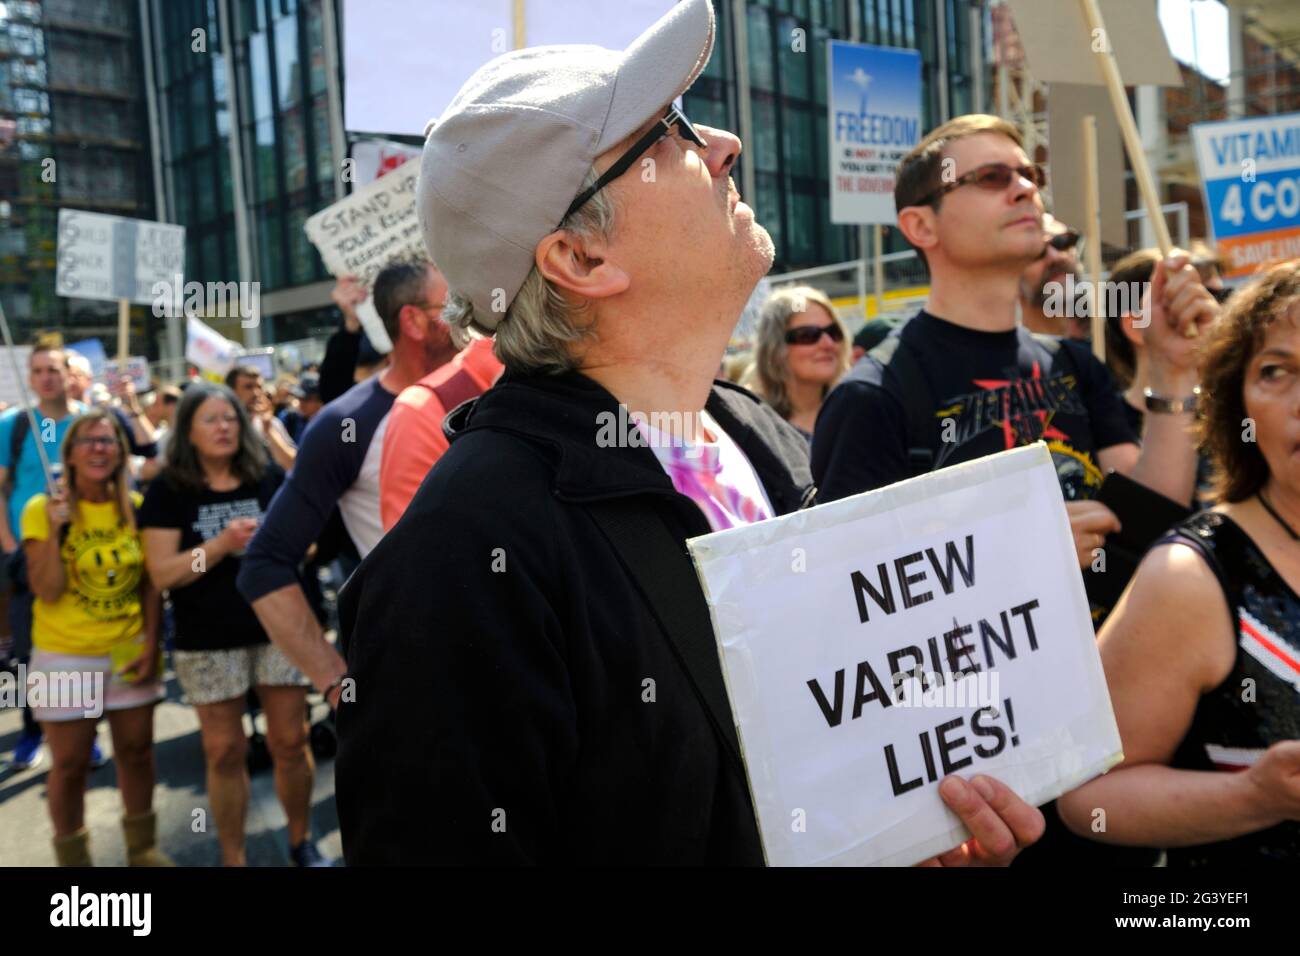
801	350
196	521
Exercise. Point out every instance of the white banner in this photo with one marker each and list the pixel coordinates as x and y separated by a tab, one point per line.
394	85
873	645
208	349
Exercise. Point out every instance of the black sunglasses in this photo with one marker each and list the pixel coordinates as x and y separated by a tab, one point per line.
1065	241
990	176
674	118
812	334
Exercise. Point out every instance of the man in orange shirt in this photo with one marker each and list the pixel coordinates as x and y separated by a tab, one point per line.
414	439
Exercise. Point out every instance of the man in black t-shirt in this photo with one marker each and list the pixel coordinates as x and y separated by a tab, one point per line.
978	393
961	380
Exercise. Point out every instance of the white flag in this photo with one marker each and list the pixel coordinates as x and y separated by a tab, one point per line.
208	349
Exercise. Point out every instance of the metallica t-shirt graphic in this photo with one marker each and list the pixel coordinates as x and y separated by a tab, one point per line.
1023	410
974	393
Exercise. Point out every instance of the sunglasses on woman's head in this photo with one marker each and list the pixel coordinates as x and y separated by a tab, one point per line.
812	334
1065	241
991	177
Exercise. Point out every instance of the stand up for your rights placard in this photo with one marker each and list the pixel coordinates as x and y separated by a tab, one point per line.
873	645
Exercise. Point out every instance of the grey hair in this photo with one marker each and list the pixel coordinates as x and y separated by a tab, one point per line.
770	374
541	326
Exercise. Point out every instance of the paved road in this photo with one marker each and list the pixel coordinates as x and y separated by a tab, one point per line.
25	831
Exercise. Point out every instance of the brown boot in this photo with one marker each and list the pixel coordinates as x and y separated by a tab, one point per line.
141	841
73	849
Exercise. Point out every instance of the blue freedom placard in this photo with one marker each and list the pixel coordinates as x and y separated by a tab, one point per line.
875	119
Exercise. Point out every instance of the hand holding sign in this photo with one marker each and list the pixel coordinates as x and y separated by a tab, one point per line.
1001	824
348	293
1090	522
1178	310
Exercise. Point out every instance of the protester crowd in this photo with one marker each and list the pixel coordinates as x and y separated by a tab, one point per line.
510	576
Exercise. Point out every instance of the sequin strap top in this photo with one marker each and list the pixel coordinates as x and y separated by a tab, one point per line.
1258	704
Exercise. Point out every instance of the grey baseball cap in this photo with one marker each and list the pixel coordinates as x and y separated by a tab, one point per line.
504	161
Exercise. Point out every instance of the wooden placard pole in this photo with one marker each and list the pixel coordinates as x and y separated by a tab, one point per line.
123	334
878	270
1092	232
1127	125
1137	156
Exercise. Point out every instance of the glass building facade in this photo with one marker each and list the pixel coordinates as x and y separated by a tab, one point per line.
786	53
278	113
280	122
74	133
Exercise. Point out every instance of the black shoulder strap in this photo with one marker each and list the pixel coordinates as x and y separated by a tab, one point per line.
17	437
897	356
662	571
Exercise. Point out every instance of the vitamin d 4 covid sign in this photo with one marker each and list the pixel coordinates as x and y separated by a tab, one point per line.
875	118
1250	171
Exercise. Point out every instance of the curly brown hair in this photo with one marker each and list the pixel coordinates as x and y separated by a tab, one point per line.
1240	470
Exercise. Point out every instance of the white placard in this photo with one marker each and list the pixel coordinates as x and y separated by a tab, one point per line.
816	611
11	390
368	230
393	85
110	257
137	369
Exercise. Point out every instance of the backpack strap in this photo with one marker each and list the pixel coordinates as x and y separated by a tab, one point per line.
17	439
662	571
897	356
456	390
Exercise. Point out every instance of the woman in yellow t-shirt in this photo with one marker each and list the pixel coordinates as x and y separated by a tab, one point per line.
94	636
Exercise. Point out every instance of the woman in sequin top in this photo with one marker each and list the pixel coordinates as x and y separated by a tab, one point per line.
1202	653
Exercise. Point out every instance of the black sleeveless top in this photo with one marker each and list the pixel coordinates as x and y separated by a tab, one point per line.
1258	703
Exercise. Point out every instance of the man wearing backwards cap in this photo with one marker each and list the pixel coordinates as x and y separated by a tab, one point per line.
535	673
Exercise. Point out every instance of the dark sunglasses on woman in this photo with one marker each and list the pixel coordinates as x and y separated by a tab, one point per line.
812	334
1065	241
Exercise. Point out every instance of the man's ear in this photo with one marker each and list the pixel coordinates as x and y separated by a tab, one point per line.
410	324
579	265
918	226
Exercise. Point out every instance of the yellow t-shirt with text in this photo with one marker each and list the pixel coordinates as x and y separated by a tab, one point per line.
102	562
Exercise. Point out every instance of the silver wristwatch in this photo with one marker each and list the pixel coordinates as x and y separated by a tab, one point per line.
1171	406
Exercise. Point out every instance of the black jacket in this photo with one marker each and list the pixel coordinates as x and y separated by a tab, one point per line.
517	700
